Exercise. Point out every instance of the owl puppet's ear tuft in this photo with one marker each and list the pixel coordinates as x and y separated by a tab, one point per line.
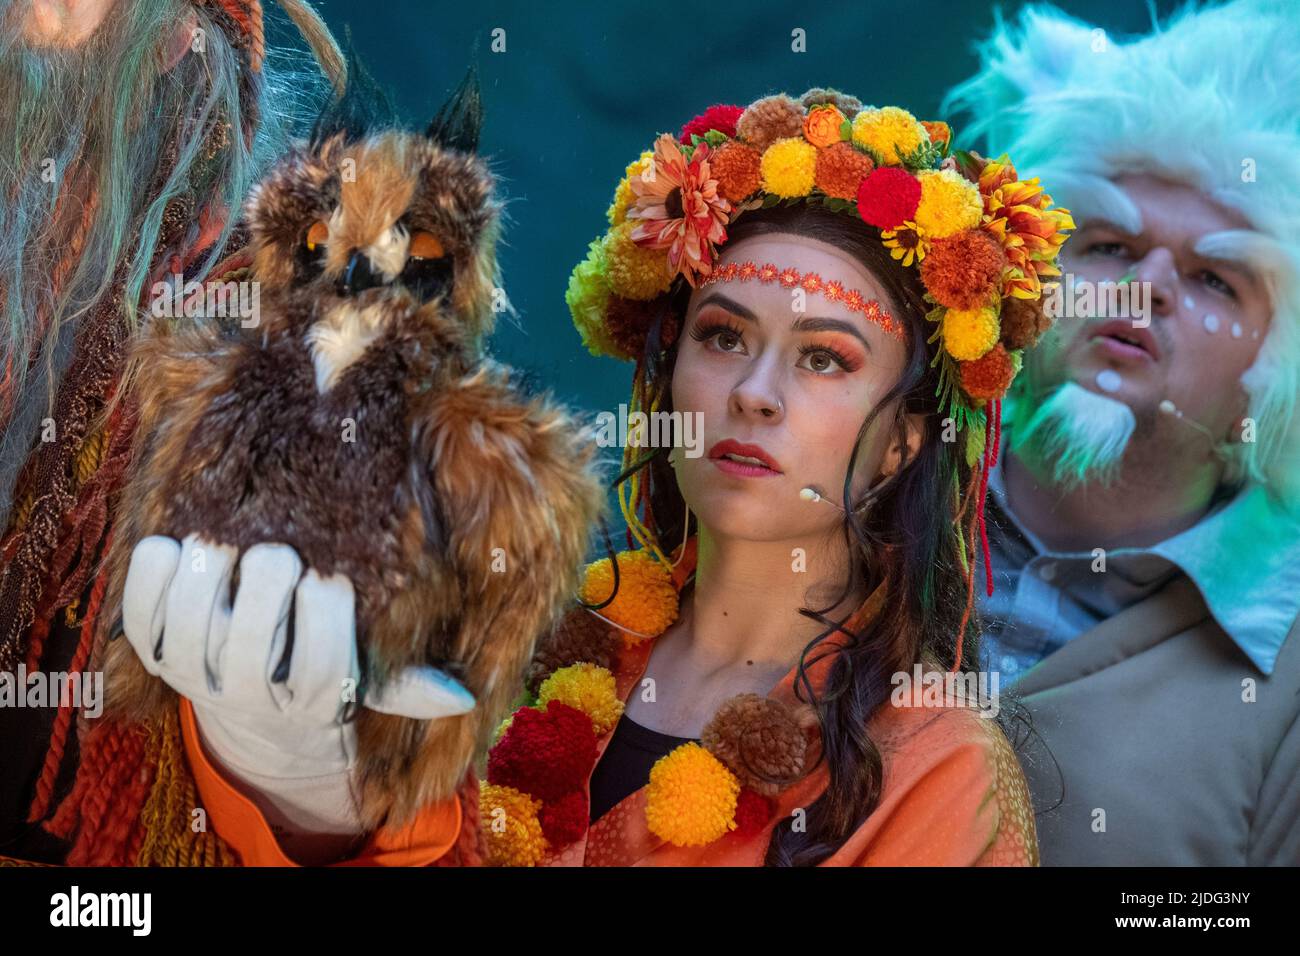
363	108
458	123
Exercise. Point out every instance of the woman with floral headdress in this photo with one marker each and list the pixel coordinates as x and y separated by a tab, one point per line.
778	670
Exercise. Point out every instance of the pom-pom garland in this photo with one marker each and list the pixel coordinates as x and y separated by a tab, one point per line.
544	752
696	794
585	687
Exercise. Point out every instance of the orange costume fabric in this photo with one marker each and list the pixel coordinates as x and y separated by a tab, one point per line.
427	840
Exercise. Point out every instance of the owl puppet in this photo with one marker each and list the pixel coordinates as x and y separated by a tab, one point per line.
360	422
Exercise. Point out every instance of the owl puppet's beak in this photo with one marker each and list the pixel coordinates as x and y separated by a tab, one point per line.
358	276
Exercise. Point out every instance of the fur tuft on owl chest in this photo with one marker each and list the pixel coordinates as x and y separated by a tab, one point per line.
330	473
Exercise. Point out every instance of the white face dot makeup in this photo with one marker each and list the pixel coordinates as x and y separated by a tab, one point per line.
1189	302
1108	380
1236	330
1255	334
1211	323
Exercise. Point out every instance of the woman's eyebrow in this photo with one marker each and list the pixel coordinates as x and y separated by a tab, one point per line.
731	305
830	325
799	325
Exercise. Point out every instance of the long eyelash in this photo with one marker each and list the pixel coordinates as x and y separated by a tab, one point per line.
841	359
707	330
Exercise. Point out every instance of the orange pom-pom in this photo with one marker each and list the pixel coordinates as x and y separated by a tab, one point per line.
1023	321
841	169
769	119
962	271
736	168
987	377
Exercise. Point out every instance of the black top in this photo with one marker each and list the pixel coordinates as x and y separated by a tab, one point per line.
624	767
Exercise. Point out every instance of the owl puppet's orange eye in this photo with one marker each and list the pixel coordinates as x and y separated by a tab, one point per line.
318	233
425	245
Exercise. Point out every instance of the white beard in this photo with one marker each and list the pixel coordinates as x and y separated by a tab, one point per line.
1074	438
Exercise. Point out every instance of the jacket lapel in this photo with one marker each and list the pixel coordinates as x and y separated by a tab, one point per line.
1171	610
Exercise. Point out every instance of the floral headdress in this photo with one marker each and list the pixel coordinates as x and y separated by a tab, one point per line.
982	240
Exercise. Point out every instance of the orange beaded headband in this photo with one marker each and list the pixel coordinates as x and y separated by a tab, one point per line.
810	282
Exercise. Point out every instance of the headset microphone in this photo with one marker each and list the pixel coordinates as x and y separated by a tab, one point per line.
811	494
1169	408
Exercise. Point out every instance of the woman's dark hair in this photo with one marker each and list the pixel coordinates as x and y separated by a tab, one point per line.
905	541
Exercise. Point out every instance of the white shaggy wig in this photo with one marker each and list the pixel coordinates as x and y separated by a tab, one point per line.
1210	99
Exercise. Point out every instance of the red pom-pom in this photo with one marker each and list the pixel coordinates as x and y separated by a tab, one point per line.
544	753
753	811
888	197
720	117
565	819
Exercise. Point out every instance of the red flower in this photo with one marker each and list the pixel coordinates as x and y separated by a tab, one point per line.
888	197
544	753
719	117
565	819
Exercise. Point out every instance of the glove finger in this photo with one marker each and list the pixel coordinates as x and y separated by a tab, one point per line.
259	624
424	693
324	667
153	565
198	605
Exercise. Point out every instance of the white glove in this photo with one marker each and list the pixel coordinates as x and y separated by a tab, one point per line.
284	740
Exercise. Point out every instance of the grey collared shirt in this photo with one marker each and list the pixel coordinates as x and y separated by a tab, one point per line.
1044	598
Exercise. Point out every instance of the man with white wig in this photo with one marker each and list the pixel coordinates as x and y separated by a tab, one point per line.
1143	518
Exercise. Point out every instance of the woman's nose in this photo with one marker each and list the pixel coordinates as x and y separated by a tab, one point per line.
758	396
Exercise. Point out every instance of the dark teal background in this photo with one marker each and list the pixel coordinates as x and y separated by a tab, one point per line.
582	88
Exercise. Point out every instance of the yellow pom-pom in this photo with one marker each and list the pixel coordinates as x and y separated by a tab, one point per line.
891	133
634	272
691	797
623	195
511	830
587	687
969	334
950	203
588	298
789	167
646	601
